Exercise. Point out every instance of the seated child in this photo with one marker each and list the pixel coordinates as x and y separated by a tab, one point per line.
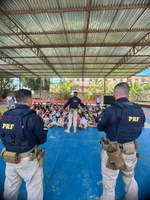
60	121
78	119
91	121
53	121
46	119
83	122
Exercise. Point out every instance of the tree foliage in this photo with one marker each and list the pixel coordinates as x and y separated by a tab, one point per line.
137	89
96	85
62	89
35	83
6	86
46	83
66	86
146	87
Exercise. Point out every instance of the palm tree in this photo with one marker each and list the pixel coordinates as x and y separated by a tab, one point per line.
66	89
96	86
55	91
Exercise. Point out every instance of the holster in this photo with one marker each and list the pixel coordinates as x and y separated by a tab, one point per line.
71	111
104	143
10	157
34	154
115	158
40	156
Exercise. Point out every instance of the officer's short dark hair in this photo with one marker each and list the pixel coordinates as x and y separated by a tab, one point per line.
123	87
22	95
75	93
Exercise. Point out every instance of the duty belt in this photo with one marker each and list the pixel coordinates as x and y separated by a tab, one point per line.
127	148
26	154
122	144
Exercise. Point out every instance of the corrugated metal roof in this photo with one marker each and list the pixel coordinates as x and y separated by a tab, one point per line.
74	38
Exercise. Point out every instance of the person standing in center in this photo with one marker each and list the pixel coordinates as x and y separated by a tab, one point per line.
73	103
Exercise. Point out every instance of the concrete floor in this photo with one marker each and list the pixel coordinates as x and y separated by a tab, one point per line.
72	166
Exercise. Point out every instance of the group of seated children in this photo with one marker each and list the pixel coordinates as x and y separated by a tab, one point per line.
56	115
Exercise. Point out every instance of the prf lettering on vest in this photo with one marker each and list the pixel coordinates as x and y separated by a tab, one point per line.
133	119
7	126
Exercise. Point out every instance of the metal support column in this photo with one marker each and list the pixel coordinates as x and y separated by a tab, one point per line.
82	89
1	87
20	84
104	86
60	89
40	88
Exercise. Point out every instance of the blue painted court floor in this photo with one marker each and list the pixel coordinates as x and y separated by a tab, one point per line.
72	166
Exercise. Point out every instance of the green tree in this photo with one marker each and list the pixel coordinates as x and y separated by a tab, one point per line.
90	93
62	90
35	83
136	90
32	83
66	88
146	87
46	83
110	87
96	86
55	91
6	86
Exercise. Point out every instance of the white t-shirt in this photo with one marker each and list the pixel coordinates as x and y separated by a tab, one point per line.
83	121
9	98
48	100
97	99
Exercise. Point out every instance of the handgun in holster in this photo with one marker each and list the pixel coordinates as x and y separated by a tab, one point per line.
104	143
115	158
33	154
40	156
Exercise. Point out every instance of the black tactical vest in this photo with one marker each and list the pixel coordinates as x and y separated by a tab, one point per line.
11	129
131	120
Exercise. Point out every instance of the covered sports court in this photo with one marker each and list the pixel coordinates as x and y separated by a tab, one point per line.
77	39
72	166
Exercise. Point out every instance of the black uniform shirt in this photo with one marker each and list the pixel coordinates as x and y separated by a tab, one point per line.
74	103
108	121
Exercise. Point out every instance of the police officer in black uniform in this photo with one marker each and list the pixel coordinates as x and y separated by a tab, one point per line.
73	104
122	123
21	132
